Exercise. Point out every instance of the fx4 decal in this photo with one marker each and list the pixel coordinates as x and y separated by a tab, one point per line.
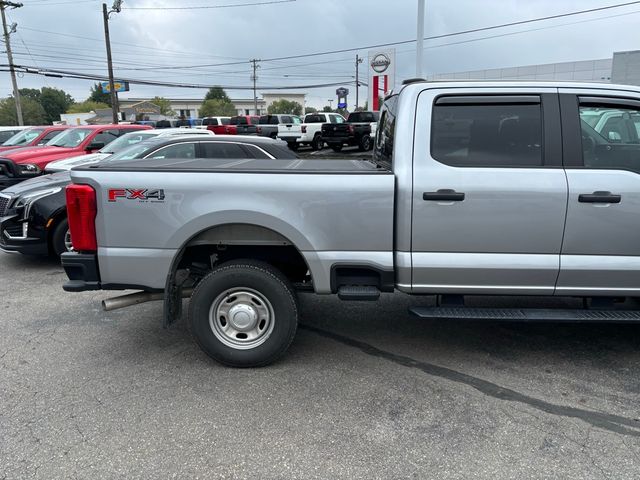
140	194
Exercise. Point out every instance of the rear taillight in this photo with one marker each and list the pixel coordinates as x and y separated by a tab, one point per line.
304	129
350	128
259	129
81	214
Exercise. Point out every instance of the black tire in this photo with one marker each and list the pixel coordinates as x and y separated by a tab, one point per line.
218	288
336	147
274	135
317	143
365	143
292	146
58	245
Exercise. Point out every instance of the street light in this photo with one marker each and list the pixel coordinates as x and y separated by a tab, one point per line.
116	8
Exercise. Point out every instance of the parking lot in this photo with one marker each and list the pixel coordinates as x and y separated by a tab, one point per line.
365	391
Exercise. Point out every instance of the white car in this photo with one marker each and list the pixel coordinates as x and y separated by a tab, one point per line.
7	132
309	132
121	143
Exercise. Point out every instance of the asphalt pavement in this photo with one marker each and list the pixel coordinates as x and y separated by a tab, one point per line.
366	391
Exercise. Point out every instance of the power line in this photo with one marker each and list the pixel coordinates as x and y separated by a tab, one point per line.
83	76
203	7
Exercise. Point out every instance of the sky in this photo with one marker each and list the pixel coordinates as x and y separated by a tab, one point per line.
171	45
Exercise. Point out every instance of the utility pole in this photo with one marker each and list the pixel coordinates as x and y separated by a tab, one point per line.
330	103
254	77
420	39
7	42
358	62
117	5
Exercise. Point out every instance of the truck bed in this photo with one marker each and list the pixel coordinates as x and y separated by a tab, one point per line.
341	166
332	211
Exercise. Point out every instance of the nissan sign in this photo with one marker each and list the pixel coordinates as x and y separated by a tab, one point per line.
380	63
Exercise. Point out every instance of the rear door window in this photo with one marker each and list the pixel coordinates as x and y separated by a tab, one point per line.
610	136
223	150
487	135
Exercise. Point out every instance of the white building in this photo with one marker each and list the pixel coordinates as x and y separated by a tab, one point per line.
190	107
583	71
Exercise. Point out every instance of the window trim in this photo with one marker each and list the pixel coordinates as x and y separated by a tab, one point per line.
572	137
195	148
552	146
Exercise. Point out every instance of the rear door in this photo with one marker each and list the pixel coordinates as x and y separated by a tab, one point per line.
601	248
490	194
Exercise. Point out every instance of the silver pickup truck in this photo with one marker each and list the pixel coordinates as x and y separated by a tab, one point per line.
474	189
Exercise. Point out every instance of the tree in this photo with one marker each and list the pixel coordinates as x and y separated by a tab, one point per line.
164	104
32	112
327	109
97	95
216	93
310	110
54	101
32	93
215	108
86	106
285	106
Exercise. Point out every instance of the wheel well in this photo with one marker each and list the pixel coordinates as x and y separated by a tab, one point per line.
224	243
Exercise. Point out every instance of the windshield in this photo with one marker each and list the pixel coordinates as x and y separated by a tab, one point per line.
71	138
315	119
127	140
238	121
363	117
24	137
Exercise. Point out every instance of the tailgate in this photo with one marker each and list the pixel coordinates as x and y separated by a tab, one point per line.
339	130
290	130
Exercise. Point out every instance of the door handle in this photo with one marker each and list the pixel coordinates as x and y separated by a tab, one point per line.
444	195
599	197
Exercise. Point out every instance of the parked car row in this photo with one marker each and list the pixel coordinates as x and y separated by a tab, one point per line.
33	215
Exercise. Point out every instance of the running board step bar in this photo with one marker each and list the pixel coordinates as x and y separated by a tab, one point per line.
526	314
357	292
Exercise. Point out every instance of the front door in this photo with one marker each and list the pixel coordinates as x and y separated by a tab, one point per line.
601	248
490	194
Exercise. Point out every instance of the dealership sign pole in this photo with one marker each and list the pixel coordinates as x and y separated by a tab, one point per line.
382	69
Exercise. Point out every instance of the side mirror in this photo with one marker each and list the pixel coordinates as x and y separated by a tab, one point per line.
94	146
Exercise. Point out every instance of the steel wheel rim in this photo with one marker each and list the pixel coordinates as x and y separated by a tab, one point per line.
68	245
241	318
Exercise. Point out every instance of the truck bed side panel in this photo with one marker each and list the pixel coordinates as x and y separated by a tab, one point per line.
330	218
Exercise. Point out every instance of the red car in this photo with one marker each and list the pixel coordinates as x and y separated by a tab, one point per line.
18	165
218	125
32	136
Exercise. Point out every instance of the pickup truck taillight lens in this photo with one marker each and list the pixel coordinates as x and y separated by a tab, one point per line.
304	129
81	214
350	128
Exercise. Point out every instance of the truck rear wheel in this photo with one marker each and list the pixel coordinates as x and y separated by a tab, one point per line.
317	143
244	314
365	143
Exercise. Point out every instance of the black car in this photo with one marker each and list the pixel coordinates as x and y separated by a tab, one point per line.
33	215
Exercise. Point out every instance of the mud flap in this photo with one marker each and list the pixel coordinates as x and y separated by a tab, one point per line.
173	294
